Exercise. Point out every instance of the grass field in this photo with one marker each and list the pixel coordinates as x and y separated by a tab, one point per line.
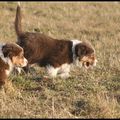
86	94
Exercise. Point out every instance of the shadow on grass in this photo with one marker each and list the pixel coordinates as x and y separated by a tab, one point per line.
81	108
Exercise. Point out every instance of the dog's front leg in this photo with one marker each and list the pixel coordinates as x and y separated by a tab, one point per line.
52	72
64	71
64	75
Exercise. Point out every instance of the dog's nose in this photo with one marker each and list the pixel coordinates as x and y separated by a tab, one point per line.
25	62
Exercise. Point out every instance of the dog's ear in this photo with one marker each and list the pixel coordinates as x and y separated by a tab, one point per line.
7	50
83	49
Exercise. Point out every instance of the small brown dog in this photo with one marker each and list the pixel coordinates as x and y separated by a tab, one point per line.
11	55
53	54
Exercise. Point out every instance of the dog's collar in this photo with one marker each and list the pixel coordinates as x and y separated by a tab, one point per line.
74	43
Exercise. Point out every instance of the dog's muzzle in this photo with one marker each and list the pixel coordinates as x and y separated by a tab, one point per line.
88	64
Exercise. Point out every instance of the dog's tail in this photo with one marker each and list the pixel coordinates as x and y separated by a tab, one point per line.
18	27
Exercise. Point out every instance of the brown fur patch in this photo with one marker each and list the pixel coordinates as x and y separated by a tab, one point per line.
3	76
11	52
44	50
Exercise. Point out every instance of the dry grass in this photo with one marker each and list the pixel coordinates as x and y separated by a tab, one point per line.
87	94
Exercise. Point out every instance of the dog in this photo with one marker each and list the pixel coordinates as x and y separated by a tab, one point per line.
53	54
11	55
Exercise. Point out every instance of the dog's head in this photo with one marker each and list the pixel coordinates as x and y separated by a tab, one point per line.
15	53
85	54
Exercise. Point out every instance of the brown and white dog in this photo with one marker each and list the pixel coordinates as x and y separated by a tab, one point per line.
11	55
53	54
